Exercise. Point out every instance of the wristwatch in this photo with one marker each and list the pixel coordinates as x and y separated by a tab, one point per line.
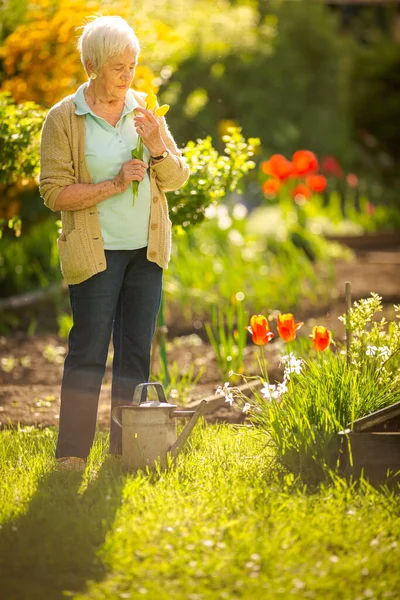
163	155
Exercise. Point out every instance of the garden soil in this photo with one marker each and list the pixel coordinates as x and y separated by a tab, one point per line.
31	365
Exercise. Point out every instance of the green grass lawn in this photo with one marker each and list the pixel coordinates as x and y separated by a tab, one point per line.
222	524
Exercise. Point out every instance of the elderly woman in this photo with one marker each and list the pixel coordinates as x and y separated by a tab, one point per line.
112	250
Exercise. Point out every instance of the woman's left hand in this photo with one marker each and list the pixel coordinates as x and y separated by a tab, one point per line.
148	128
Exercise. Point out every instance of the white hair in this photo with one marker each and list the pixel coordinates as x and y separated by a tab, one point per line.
105	37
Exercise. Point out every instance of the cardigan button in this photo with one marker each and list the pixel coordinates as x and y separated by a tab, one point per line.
155	199
154	225
153	254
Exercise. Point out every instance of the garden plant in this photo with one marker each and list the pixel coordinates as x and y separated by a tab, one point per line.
323	391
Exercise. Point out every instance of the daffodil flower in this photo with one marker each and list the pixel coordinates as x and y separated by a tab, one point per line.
151	101
161	111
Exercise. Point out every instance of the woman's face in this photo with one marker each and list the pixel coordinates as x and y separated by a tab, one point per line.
116	75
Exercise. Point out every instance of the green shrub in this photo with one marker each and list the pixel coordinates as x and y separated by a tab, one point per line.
31	261
375	113
289	92
20	126
213	176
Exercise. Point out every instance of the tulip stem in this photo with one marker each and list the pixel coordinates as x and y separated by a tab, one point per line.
348	325
137	153
263	364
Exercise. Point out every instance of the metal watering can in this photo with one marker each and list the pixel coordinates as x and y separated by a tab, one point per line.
149	431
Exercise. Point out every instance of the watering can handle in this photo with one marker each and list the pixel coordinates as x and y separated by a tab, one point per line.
137	396
114	413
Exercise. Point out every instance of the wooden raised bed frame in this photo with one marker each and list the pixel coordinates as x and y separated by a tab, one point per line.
372	447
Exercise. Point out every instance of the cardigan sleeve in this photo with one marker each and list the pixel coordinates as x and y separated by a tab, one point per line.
56	163
172	172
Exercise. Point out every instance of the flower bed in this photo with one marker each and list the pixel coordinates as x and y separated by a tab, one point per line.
323	391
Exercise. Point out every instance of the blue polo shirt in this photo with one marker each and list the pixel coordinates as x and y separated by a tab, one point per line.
123	226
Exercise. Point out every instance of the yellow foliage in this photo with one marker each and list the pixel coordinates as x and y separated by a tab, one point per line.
40	58
41	62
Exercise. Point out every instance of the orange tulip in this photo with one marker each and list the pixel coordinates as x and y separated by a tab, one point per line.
316	183
322	338
278	166
304	162
287	328
259	329
271	187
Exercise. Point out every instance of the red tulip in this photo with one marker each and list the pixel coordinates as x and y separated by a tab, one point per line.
370	208
301	190
352	180
304	163
322	338
316	183
287	328
278	166
259	329
271	187
330	166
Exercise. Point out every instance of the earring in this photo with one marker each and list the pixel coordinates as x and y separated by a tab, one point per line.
93	75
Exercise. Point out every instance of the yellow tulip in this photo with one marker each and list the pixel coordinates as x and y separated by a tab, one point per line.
151	100
161	111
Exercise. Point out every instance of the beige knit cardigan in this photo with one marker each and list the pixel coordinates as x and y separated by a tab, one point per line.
63	162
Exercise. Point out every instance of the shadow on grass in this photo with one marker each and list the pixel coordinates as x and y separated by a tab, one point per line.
53	547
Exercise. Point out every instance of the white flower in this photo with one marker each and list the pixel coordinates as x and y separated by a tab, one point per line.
235	237
266	391
222	391
274	392
224	222
246	407
211	211
381	352
371	350
226	392
384	353
292	365
240	211
282	388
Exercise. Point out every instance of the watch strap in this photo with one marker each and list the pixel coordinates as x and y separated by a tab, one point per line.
163	155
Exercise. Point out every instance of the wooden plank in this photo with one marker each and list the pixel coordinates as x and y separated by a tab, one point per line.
375	418
217	401
357	2
31	298
372	455
375	448
368	241
376	474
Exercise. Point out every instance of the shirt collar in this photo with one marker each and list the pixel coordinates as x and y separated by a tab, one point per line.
82	107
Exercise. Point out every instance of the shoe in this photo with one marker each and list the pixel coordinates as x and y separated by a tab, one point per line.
72	463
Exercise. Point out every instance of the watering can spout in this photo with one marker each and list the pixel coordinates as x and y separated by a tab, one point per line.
187	430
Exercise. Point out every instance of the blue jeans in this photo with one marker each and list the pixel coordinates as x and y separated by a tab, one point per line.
124	301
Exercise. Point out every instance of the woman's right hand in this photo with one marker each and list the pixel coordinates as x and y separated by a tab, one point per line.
131	170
